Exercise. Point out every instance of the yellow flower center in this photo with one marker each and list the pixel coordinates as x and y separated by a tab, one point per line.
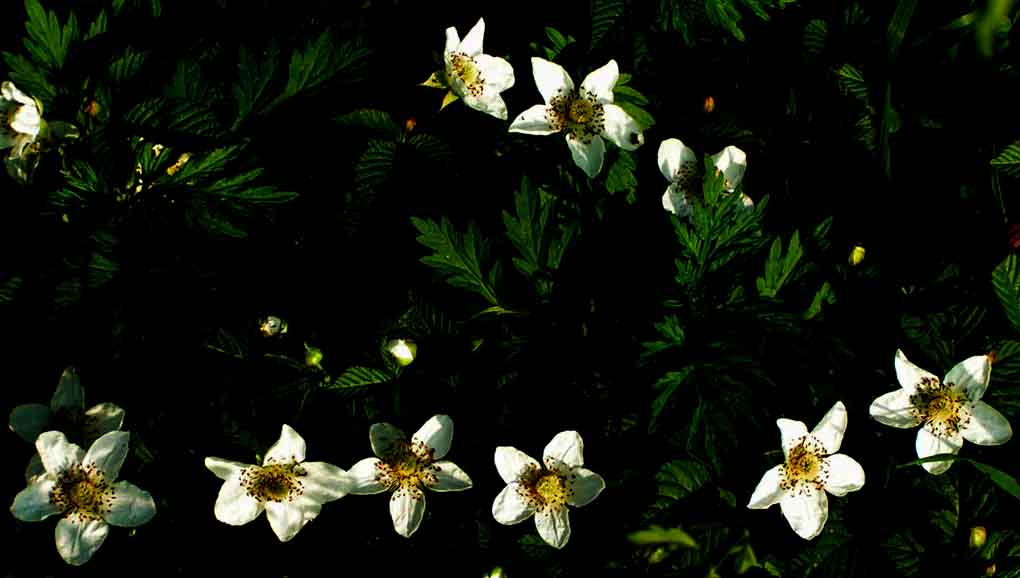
805	469
940	406
544	490
273	482
579	113
407	466
464	68
82	492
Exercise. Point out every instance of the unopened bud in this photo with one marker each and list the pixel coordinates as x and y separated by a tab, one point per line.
313	357
978	537
403	351
272	326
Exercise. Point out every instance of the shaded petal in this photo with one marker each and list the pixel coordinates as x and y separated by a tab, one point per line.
33	503
510	507
845	475
533	121
732	162
929	444
512	463
585	486
452	40
806	512
436	434
324	482
490	103
472	43
673	154
383	437
791	431
621	128
69	394
131	506
407	508
107	453
27	120
553	526
601	81
449	478
30	420
234	506
287	518
830	430
971	376
11	92
746	201
587	156
565	451
895	409
56	452
908	374
101	419
675	201
78	540
986	427
34	469
768	491
498	73
224	469
364	477
550	78
289	448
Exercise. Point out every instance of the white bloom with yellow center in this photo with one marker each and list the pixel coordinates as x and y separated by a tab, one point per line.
406	468
545	493
475	77
948	411
585	115
679	165
22	119
80	486
288	488
811	469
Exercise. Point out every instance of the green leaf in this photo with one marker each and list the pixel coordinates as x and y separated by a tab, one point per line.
1006	282
124	68
358	377
255	74
898	26
824	296
640	115
779	266
620	177
375	166
1005	481
668	383
1008	160
680	478
98	25
815	34
604	15
458	257
655	535
29	78
851	81
321	61
376	122
557	43
47	41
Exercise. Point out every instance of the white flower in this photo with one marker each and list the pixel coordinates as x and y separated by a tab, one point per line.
812	468
585	115
80	485
679	165
545	492
475	77
288	488
948	412
405	468
23	119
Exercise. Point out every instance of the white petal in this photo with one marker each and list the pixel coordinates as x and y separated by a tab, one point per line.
289	448
895	409
676	202
845	475
601	81
324	482
287	518
806	512
56	452
407	507
621	129
830	430
27	120
452	40
553	526
107	453
565	451
929	444
234	506
11	92
78	540
510	507
131	506
768	491
746	201
673	154
383	437
587	156
449	478
69	394
33	503
533	121
101	419
971	376
224	469
472	43
490	103
585	486
512	463
30	420
908	374
498	73
550	78
364	477
437	435
791	431
732	162
986	427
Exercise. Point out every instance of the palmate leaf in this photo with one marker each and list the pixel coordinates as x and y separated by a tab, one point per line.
458	257
1008	160
255	74
780	267
319	62
29	77
46	40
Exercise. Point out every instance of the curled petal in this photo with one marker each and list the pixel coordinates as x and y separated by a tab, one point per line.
11	92
732	162
585	486
986	427
512	463
971	376
620	128
108	452
830	430
131	506
407	508
56	452
601	81
553	526
845	475
565	451
78	539
289	448
791	431
587	156
384	436
929	444
510	507
550	78
533	121
768	491
33	503
895	409
449	478
364	477
908	374
436	434
806	512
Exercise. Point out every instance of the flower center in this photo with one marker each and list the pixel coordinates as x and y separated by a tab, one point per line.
464	68
548	490
805	469
82	491
273	482
407	466
940	406
579	113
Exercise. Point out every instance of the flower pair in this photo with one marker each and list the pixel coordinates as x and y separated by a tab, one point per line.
679	165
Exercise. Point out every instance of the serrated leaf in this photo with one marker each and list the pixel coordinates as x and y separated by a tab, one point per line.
668	383
255	74
620	177
377	122
1006	282
457	257
815	34
780	267
604	16
29	78
124	68
47	41
851	81
1008	161
320	61
375	165
357	377
1005	481
680	478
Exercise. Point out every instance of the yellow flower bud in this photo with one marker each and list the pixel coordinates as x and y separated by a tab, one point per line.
403	351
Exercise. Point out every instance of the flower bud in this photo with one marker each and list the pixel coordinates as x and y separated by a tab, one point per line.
313	357
272	326
978	537
856	255
403	351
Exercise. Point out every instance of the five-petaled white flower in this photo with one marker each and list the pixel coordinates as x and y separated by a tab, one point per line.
475	77
66	413
22	119
812	468
80	485
679	165
406	468
948	411
288	488
545	493
584	115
